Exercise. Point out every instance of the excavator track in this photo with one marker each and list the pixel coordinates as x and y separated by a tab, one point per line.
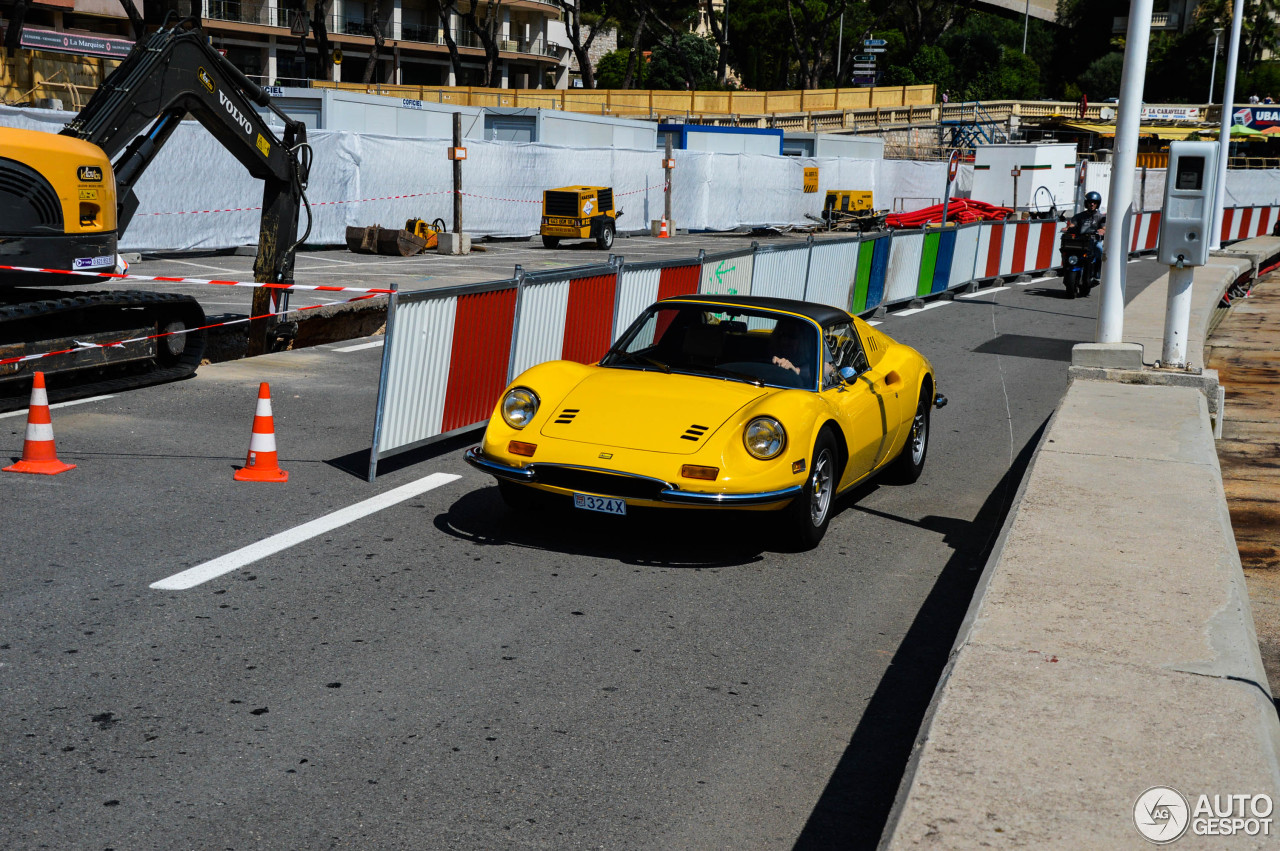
54	320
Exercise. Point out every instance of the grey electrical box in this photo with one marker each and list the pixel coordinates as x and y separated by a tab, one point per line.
1187	221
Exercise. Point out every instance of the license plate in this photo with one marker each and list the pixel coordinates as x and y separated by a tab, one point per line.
565	223
600	503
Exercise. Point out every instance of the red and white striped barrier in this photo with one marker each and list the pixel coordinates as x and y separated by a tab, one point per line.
1146	231
569	318
171	280
641	285
1248	222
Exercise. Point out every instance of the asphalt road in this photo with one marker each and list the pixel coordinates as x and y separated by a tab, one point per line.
443	674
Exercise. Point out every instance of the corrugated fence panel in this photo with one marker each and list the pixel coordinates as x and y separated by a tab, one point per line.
1228	218
935	261
481	352
417	371
989	264
638	290
966	252
588	325
1014	251
873	264
780	273
540	337
904	266
727	276
832	268
678	280
1048	242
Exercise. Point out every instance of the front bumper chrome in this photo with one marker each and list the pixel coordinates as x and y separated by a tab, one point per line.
662	491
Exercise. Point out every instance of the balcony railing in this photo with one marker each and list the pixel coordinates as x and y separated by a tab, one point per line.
246	13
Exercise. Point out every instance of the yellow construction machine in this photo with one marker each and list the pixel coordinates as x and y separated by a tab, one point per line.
579	212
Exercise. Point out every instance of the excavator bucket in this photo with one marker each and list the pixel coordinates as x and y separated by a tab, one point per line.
363	240
399	243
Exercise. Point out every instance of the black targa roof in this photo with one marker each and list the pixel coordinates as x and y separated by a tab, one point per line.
820	313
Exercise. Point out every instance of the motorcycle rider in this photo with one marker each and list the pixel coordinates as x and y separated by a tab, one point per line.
1092	223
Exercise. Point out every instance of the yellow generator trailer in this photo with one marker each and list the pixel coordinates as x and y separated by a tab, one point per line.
579	212
845	201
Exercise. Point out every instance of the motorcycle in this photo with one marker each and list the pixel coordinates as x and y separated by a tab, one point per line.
1081	255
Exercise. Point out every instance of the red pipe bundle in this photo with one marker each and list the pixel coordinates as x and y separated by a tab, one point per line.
960	210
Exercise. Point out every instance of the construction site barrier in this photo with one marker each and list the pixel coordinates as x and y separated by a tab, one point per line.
450	352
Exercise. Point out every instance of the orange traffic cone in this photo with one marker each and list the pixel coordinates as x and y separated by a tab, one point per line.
38	453
663	234
262	464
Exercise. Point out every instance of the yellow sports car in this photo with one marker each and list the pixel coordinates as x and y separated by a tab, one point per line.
719	402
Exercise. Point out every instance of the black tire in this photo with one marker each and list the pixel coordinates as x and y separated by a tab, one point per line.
550	242
520	498
909	464
810	512
605	240
1071	280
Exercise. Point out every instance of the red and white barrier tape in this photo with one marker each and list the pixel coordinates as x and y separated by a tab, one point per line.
80	347
661	186
170	280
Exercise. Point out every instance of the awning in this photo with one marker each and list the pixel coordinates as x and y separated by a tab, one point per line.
1160	132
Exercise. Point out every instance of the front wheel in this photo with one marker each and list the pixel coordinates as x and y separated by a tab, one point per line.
1071	279
910	462
810	512
605	240
550	241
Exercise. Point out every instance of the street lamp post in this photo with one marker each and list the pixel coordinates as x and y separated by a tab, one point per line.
1026	25
1213	64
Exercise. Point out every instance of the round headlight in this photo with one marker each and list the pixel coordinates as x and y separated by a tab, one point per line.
764	438
519	406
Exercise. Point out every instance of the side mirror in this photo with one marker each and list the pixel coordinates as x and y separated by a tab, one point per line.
848	374
1062	217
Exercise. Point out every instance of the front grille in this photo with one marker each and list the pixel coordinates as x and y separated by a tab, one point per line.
562	204
28	203
592	481
566	416
694	433
606	200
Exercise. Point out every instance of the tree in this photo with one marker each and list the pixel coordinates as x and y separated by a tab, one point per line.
923	22
318	15
1102	78
811	24
684	62
611	70
576	14
371	67
487	30
446	27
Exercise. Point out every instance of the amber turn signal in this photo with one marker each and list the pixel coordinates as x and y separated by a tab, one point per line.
691	471
798	466
515	447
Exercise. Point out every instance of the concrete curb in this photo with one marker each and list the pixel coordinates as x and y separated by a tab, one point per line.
1109	647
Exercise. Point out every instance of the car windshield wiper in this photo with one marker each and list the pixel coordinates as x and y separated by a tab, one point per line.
741	376
620	353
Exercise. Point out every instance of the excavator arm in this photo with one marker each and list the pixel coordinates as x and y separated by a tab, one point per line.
173	73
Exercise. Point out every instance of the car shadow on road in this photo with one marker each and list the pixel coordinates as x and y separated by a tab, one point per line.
854	808
652	537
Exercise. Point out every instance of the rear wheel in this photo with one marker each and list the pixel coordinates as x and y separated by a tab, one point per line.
550	241
605	240
1071	279
910	462
810	512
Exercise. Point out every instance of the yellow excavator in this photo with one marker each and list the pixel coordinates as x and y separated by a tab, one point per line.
65	199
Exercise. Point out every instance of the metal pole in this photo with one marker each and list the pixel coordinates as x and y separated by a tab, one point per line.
839	46
1124	163
1177	318
457	174
1026	25
1213	64
1224	133
666	201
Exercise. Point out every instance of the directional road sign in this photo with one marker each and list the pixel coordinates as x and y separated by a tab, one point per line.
864	57
874	42
875	49
862	66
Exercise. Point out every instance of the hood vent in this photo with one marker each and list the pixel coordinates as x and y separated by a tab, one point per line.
694	432
566	416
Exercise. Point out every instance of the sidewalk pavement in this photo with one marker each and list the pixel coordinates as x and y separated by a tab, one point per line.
1110	647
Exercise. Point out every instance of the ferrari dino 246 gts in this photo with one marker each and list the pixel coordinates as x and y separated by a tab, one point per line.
722	402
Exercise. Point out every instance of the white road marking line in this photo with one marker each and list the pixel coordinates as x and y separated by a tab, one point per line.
874	322
202	573
980	293
930	306
23	412
361	346
1137	260
1038	281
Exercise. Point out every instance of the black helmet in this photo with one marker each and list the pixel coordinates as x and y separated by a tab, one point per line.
1094	197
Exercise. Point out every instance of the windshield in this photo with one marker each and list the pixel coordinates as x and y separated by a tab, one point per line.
739	344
